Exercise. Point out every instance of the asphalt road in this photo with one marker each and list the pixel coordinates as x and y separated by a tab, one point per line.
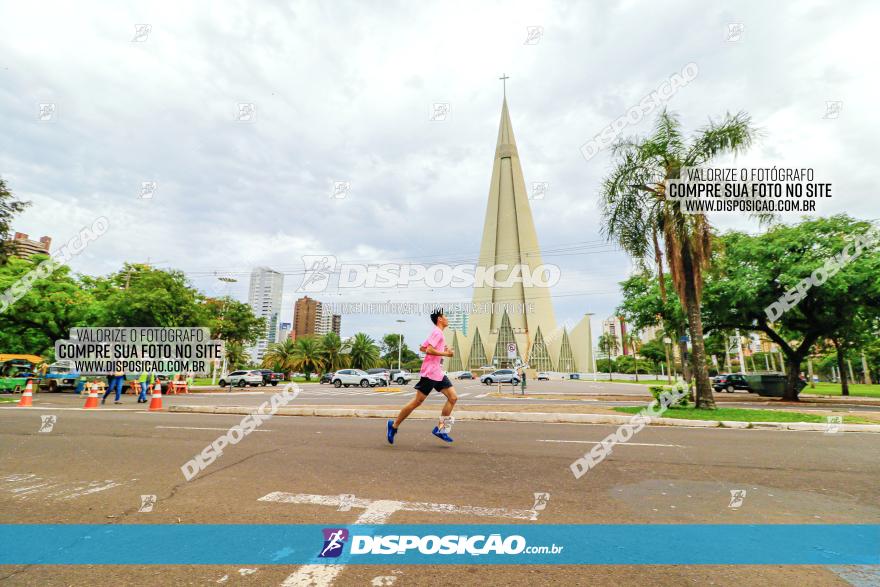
94	466
471	393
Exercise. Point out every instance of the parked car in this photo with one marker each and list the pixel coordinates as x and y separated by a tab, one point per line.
574	375
500	376
543	376
383	375
241	379
270	377
464	375
326	378
730	382
349	377
402	376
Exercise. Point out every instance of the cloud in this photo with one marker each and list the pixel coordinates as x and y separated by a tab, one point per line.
344	91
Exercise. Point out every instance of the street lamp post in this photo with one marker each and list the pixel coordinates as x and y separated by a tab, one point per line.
399	344
227	281
666	342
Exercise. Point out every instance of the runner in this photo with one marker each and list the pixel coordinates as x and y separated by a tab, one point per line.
432	378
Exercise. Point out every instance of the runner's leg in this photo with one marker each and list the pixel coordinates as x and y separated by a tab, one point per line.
451	398
408	408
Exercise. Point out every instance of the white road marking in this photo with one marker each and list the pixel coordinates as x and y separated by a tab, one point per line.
197	428
621	444
376	512
482	395
21	486
465	394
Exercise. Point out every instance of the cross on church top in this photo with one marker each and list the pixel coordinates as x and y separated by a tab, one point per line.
504	77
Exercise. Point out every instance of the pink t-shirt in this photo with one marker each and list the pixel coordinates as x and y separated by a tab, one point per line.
432	365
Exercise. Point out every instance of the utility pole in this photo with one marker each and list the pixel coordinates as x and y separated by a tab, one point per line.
810	371
666	342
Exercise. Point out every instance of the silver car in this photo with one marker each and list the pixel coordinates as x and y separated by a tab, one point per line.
500	376
349	377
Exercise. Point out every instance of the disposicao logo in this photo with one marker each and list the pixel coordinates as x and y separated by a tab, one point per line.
334	540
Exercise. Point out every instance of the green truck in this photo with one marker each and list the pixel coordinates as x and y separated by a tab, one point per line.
15	370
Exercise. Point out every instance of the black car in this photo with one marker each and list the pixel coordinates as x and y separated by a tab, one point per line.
730	382
464	375
270	377
326	377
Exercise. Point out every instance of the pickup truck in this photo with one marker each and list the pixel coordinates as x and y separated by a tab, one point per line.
270	377
402	376
61	376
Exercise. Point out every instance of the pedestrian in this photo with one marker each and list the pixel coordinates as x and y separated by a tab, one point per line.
432	378
145	380
116	379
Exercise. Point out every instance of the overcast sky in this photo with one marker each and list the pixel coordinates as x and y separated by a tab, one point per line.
345	92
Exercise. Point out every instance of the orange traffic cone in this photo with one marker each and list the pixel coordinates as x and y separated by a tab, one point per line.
92	400
156	398
27	396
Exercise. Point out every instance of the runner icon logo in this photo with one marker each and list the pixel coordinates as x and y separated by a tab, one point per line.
334	541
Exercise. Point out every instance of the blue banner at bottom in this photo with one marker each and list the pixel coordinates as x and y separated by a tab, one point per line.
545	544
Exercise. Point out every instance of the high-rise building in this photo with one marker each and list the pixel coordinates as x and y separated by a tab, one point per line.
23	247
264	298
313	317
458	320
616	327
305	316
284	331
503	336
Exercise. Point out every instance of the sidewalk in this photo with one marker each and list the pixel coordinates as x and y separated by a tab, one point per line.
528	413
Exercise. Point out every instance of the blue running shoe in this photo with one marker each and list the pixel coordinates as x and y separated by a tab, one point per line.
441	435
391	431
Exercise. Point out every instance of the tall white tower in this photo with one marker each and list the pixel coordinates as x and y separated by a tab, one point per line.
264	298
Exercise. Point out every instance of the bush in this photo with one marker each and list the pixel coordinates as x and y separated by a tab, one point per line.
678	387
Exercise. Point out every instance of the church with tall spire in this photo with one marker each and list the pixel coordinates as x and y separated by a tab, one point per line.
502	338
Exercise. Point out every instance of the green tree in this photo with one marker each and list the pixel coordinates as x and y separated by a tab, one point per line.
231	319
48	308
751	273
646	304
335	352
389	347
647	225
608	346
9	207
364	353
139	295
236	356
308	356
281	356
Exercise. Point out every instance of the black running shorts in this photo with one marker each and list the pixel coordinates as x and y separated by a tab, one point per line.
426	385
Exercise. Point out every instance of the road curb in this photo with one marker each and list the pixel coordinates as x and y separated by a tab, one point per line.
535	417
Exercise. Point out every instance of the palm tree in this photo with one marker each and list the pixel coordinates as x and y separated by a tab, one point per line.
647	225
608	345
236	358
307	355
633	341
364	352
335	351
280	356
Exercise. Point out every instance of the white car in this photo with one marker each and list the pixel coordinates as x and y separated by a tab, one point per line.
348	377
242	379
543	376
500	376
403	376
